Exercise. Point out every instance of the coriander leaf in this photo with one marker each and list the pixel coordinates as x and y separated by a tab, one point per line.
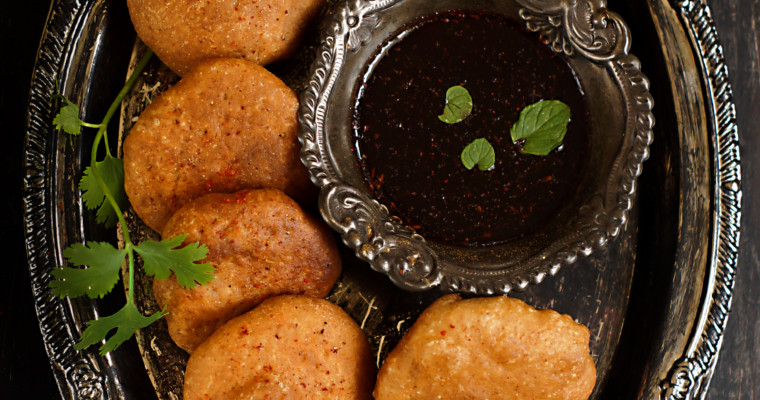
458	105
543	126
480	153
68	118
126	321
111	171
103	261
162	258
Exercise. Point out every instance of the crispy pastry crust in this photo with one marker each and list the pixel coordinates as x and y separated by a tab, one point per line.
186	32
289	347
228	125
489	348
262	245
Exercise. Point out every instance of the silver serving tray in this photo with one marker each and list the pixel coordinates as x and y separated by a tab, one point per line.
656	300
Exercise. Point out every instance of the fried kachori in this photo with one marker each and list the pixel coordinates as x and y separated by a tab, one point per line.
489	348
289	347
183	33
228	125
261	243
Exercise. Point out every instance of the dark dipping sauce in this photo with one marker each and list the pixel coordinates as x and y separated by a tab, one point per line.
411	160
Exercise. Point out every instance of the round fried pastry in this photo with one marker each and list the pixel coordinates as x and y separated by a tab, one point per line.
289	347
261	244
489	348
228	125
186	32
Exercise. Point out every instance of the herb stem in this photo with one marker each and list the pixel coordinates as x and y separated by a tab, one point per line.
102	128
130	292
89	125
102	133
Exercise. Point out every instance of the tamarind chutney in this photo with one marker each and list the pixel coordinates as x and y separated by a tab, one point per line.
411	160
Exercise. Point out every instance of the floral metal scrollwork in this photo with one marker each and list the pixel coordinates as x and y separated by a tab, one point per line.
352	25
587	27
380	239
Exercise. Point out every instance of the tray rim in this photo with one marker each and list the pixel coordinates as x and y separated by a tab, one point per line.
689	377
75	373
80	375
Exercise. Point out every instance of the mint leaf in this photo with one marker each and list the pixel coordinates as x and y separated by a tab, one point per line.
458	105
162	258
103	261
126	321
111	170
542	125
68	118
480	153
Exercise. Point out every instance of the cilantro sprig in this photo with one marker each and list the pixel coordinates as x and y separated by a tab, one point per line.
102	187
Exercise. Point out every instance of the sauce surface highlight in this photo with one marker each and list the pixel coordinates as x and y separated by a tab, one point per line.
411	160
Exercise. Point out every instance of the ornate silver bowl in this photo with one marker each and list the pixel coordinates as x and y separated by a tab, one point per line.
596	43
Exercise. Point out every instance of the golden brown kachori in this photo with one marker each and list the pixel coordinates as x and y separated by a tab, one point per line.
289	347
489	348
261	244
228	125
185	32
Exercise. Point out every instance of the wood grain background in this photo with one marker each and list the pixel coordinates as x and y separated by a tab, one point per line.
25	372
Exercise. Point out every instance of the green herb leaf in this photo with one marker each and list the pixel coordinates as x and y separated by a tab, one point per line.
480	153
111	171
103	261
126	321
164	257
68	117
458	105
543	126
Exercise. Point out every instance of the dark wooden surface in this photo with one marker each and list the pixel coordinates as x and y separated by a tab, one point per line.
25	371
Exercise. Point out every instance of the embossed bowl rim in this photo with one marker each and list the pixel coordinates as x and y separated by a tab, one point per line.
592	37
